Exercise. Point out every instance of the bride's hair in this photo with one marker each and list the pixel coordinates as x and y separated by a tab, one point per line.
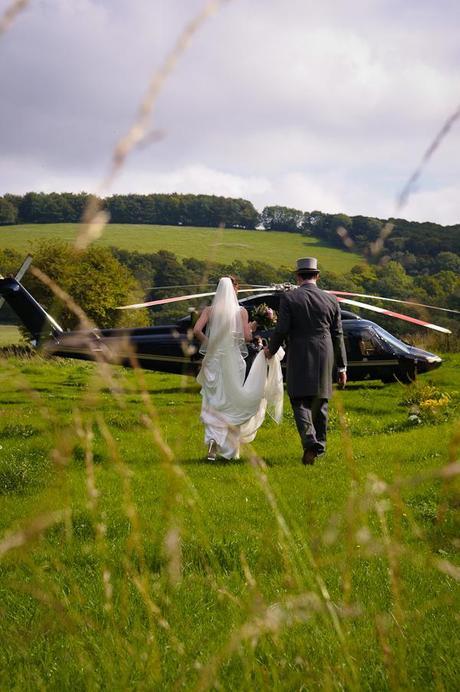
234	279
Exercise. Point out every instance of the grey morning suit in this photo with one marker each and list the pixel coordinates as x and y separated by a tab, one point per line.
309	319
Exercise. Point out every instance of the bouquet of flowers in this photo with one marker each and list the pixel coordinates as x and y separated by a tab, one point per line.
265	317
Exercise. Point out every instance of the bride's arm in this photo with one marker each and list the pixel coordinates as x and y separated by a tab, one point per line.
248	327
200	325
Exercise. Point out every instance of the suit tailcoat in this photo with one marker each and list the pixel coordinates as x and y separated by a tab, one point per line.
309	321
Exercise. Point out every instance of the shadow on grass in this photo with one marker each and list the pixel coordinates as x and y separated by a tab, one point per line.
371	410
192	389
270	462
321	244
365	384
202	461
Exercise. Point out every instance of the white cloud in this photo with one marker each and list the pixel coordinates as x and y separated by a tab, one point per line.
442	205
196	179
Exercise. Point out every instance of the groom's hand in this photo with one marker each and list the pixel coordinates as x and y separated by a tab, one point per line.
268	355
342	379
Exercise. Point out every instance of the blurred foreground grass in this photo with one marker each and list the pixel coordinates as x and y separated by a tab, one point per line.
129	562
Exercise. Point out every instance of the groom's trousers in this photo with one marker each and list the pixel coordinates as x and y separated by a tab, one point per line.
310	415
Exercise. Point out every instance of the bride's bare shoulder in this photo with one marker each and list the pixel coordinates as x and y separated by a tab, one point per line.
202	321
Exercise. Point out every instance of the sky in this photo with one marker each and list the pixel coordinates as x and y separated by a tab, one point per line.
324	106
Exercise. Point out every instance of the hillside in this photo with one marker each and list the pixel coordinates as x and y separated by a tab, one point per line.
219	245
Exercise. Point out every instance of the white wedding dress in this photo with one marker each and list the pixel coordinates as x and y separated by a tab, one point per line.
234	409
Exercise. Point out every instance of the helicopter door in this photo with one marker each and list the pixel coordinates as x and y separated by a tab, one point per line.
370	345
369	356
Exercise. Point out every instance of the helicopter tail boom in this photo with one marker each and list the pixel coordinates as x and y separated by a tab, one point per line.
34	317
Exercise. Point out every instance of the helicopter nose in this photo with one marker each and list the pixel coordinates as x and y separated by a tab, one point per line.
431	362
434	359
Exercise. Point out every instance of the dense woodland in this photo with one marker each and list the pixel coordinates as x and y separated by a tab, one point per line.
164	269
100	279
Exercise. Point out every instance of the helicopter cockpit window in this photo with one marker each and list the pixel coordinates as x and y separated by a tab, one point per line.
369	344
392	340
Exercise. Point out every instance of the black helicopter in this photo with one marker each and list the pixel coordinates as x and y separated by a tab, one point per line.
373	353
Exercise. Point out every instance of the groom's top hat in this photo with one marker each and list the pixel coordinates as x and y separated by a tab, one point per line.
307	264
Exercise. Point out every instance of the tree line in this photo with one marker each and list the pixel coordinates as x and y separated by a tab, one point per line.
421	248
163	209
100	279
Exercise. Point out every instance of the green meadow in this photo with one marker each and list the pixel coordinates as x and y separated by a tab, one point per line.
9	334
213	244
127	561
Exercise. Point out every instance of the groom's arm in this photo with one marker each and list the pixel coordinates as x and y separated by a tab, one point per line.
340	353
282	328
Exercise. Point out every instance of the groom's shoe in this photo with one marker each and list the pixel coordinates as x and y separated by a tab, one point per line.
212	450
309	457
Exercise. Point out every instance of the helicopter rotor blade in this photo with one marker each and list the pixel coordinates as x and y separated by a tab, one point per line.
163	288
164	301
177	299
393	300
390	313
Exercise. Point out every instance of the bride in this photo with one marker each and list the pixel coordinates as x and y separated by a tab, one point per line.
233	408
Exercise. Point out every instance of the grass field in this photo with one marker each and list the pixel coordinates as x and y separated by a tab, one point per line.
9	334
129	562
277	249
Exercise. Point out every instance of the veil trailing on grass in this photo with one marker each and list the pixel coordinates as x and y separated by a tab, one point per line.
233	408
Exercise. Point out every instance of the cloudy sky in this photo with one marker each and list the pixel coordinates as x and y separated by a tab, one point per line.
318	105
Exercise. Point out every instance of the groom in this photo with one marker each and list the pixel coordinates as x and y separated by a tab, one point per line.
309	319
